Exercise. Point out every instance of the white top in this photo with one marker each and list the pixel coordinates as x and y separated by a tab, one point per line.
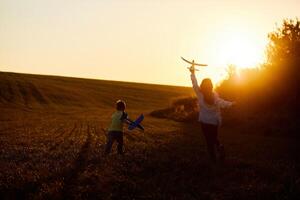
209	114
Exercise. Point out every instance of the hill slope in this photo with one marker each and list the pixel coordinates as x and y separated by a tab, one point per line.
36	91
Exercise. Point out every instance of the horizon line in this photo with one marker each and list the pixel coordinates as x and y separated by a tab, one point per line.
90	78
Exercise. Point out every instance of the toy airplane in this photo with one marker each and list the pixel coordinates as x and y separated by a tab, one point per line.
193	64
136	123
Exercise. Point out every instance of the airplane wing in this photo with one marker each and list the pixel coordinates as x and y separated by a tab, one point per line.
136	123
186	60
193	63
202	65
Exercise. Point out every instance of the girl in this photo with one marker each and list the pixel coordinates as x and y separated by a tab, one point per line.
210	114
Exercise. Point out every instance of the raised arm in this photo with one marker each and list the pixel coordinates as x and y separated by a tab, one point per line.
195	84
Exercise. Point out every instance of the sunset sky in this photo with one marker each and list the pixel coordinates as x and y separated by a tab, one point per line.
135	40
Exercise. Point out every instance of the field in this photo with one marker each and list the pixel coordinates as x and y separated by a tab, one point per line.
51	143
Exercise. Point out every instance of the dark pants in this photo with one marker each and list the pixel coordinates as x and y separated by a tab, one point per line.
210	132
112	136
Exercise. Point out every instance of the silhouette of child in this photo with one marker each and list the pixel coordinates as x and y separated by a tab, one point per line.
210	114
115	130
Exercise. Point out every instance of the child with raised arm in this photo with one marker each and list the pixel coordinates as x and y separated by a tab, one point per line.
210	114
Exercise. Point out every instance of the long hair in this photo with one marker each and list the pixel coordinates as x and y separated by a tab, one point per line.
206	88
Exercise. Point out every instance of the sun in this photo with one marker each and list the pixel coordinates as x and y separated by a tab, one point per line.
239	48
233	45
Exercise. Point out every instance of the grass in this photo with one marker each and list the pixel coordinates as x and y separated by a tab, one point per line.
52	146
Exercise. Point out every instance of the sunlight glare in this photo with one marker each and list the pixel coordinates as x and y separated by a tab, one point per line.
240	49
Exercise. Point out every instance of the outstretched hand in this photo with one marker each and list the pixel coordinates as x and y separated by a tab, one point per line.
192	69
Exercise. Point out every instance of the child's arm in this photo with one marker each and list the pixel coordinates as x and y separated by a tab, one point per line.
223	103
125	118
195	83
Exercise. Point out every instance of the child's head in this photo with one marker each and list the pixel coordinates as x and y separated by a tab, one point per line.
120	105
206	87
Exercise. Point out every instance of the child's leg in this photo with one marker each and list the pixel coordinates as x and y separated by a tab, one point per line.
220	147
120	141
211	148
207	130
110	141
214	134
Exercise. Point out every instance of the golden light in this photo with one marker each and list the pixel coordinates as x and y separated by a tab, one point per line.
240	48
232	44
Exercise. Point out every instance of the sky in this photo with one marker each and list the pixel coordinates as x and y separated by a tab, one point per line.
136	40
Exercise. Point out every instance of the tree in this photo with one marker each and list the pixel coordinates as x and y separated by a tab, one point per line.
283	60
284	42
277	82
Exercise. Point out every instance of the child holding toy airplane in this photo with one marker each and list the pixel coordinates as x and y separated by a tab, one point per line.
115	130
210	115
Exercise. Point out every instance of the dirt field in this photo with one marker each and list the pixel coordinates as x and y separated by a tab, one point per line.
51	143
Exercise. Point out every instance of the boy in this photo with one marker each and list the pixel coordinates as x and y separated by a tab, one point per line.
115	130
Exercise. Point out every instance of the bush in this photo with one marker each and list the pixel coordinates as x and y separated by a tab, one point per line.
181	109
